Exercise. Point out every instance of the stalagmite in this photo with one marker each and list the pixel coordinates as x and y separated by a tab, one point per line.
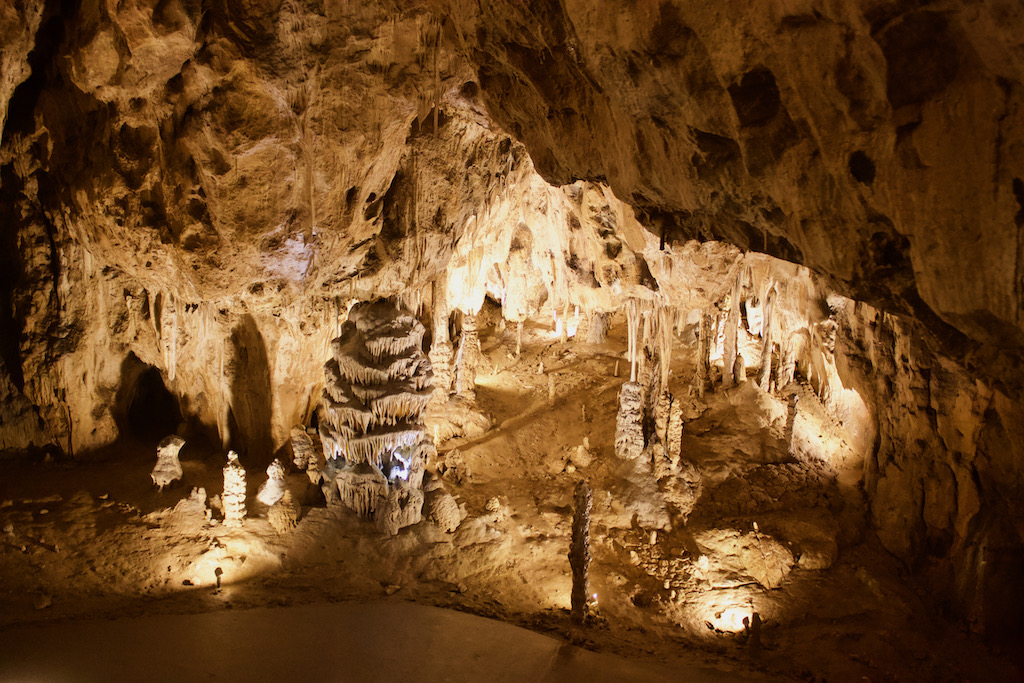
790	422
703	379
579	552
371	416
629	434
764	373
284	514
563	335
787	367
233	498
273	488
303	453
731	341
598	330
674	438
583	327
466	359
665	316
661	413
168	467
519	338
739	370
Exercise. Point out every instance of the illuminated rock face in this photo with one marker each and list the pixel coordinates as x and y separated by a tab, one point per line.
168	468
378	385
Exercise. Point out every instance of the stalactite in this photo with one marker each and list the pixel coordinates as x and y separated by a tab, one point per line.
579	552
665	317
764	373
703	375
731	341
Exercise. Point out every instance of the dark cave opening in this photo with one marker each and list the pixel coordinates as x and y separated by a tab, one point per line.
148	410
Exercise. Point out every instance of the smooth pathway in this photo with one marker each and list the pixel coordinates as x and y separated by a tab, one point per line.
386	641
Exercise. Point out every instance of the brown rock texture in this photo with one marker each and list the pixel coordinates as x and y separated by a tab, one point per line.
193	194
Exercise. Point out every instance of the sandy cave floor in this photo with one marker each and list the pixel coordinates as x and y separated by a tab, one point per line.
94	538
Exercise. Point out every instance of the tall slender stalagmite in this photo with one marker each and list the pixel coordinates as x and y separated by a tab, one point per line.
732	325
579	552
764	373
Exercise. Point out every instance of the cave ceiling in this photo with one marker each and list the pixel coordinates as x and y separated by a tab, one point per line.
268	150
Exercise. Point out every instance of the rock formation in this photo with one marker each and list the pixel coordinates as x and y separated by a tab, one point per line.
233	497
629	428
378	385
304	455
273	488
168	468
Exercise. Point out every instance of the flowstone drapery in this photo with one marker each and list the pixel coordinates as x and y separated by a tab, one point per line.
371	425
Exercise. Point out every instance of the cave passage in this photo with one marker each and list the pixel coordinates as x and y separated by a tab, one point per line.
153	411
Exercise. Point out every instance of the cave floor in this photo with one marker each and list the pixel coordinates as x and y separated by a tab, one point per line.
759	526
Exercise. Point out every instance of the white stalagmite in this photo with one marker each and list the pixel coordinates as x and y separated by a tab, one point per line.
661	416
233	498
629	433
168	467
273	488
764	373
739	370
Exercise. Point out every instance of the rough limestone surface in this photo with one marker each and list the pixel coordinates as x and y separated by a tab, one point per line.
168	468
442	510
629	433
284	514
304	455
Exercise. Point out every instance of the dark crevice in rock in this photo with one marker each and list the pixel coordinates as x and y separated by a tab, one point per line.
862	168
10	273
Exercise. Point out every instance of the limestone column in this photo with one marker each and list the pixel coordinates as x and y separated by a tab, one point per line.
440	346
